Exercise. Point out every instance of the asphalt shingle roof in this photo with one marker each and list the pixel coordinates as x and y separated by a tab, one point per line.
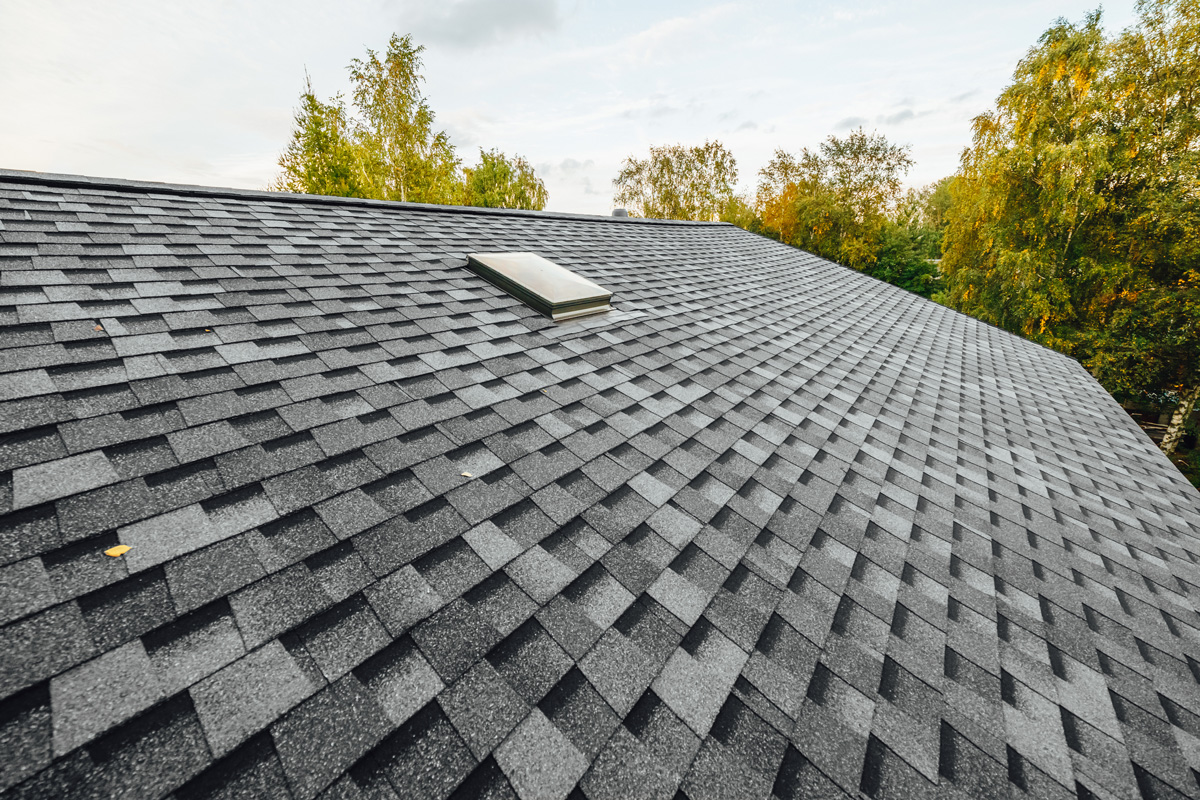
768	527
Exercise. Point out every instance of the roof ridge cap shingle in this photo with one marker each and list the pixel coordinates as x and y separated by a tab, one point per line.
191	190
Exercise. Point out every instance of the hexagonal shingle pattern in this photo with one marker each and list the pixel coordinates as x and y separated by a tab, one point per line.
769	527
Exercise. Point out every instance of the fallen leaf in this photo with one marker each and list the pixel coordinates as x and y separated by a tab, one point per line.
119	550
98	328
467	475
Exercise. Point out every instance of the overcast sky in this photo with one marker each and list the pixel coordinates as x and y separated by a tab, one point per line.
203	92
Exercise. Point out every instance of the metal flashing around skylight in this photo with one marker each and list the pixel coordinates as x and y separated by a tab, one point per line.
541	284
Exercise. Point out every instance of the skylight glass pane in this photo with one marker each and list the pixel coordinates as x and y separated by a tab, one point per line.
541	284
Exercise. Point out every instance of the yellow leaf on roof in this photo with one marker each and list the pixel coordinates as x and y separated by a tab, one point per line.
119	550
467	475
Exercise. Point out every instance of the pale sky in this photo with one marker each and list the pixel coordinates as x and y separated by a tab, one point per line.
204	92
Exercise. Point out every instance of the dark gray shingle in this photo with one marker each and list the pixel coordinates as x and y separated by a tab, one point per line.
769	526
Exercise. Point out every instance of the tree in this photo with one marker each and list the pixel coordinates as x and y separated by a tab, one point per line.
844	202
834	202
321	158
388	148
497	182
1076	213
924	210
678	182
407	159
908	243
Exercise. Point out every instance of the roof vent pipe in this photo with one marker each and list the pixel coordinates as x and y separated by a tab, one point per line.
620	212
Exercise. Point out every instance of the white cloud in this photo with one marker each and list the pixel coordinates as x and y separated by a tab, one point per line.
846	123
897	118
471	23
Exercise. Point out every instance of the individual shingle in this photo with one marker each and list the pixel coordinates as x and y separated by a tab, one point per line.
215	571
39	646
454	638
619	671
400	679
410	535
244	697
539	760
31	446
120	611
289	539
342	637
492	545
276	603
148	756
25	734
168	536
24	589
679	596
340	571
483	708
252	770
424	758
578	710
61	478
325	736
539	574
501	603
403	599
625	768
194	646
102	693
350	513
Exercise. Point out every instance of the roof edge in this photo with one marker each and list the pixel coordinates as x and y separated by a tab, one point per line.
190	190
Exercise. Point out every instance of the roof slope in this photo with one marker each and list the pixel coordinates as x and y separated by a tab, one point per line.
769	526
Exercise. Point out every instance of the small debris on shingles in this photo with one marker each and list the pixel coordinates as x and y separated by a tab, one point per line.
117	551
467	475
98	328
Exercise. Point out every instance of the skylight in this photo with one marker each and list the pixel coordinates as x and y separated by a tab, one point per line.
541	284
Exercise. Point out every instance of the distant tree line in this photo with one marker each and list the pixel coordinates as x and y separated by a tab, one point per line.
843	201
387	149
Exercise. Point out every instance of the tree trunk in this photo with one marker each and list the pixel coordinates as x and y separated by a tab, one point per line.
1187	404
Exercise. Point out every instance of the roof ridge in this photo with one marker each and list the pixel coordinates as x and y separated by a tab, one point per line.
193	190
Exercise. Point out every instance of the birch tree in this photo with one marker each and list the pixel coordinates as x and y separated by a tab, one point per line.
386	146
500	182
1076	213
678	182
407	159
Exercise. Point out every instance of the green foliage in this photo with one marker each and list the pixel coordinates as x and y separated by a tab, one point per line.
900	258
834	202
1076	214
738	211
388	149
923	211
407	159
844	202
497	182
321	158
677	182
